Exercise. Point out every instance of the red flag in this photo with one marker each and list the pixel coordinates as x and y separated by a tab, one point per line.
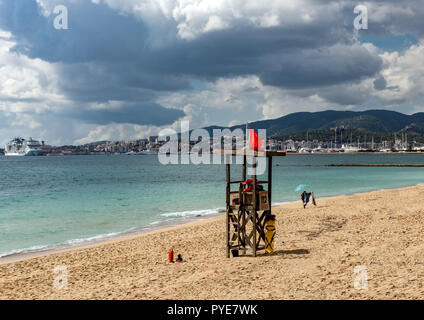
255	142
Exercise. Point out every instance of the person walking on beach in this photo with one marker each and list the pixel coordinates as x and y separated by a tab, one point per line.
305	196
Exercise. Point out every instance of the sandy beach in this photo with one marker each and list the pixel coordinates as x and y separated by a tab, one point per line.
316	252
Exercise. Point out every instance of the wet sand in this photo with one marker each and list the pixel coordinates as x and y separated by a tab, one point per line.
316	252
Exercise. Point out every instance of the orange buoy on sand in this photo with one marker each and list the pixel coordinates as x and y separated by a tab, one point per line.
171	256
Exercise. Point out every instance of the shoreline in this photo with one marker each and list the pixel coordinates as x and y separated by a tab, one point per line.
76	244
162	226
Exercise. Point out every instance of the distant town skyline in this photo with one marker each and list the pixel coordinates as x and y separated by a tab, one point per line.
124	70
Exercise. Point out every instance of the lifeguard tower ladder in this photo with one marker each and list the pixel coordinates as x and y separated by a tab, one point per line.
247	211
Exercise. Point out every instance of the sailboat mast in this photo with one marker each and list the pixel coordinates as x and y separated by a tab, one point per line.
335	137
406	140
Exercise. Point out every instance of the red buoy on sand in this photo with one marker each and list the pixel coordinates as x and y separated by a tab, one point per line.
171	256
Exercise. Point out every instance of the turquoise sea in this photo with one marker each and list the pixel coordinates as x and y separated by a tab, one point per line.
55	201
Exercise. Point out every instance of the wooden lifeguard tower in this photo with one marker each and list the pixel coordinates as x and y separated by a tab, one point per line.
247	211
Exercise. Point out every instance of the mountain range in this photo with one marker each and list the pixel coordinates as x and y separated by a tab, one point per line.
379	121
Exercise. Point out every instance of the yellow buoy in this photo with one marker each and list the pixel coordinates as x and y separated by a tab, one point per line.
269	233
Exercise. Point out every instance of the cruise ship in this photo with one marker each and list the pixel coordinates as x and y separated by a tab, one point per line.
22	147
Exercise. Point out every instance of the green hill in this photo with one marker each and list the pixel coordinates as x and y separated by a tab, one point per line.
370	121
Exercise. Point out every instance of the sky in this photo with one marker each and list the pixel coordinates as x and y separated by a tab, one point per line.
125	69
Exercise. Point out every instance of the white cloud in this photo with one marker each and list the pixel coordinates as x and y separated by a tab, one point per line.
29	96
215	23
404	75
5	34
195	17
29	81
115	132
240	99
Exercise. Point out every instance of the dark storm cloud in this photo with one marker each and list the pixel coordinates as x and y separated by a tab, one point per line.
380	83
118	48
134	113
99	57
110	55
319	68
96	32
238	51
85	82
101	53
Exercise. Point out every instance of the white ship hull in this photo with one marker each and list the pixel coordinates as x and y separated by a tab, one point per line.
14	154
19	147
21	154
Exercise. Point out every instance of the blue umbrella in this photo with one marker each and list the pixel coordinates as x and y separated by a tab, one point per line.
301	187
